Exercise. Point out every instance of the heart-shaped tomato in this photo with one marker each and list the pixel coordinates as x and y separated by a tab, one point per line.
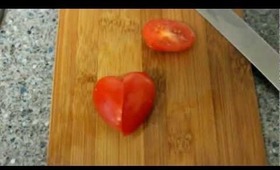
124	102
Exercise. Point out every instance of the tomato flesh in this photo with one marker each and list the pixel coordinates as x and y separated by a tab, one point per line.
124	102
168	35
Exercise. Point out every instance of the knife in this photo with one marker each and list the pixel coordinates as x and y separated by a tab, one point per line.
246	40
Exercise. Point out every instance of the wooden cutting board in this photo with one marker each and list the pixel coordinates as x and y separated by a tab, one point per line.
206	111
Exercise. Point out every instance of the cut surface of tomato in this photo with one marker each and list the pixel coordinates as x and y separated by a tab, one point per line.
124	102
168	35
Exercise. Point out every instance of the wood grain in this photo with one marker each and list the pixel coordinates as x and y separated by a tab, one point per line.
205	113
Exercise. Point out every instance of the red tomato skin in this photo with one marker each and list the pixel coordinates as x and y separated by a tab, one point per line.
124	102
139	95
151	35
108	100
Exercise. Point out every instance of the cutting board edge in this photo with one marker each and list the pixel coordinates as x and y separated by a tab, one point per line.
55	70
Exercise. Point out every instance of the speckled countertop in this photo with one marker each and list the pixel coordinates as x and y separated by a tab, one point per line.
27	42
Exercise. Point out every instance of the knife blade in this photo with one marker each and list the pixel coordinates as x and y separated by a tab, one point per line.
246	40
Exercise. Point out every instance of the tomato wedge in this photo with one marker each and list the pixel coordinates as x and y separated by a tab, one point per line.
168	35
124	102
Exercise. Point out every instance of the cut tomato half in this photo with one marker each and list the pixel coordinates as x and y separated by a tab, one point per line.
168	35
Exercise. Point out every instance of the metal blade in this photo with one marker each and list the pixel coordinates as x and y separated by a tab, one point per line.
246	40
